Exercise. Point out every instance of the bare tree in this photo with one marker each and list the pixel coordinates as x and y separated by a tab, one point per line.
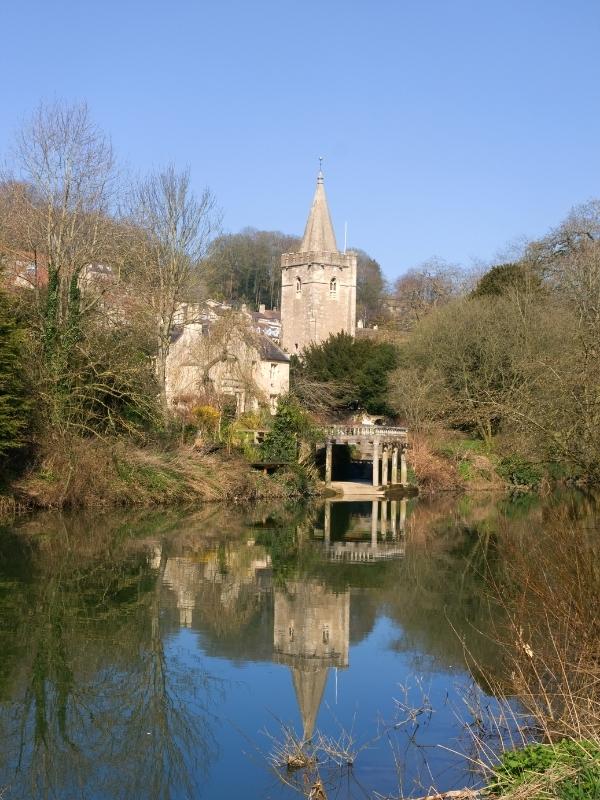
416	293
172	230
68	165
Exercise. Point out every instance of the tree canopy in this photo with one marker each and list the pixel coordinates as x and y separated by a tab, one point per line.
245	267
14	403
359	368
507	277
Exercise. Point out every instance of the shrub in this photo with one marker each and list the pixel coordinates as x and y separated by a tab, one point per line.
207	419
14	405
290	424
520	472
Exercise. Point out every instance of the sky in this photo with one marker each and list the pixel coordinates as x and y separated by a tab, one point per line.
449	128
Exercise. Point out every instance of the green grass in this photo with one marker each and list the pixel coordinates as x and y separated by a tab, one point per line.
567	770
465	470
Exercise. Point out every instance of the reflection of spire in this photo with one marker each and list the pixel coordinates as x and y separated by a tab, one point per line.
309	686
311	634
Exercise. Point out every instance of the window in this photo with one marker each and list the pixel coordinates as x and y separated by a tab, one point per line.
272	373
326	635
298	286
333	287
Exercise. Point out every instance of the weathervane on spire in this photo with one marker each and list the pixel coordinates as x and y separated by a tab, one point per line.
320	163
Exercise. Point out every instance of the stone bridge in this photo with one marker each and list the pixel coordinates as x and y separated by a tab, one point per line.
377	443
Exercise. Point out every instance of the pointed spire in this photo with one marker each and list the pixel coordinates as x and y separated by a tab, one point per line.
318	234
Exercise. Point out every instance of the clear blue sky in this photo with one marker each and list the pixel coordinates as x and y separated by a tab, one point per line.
449	127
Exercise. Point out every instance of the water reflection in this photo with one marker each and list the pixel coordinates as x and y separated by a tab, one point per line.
135	647
370	531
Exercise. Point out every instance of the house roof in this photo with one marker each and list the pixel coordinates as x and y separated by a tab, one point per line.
269	350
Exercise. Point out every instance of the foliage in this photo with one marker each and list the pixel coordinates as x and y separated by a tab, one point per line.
207	419
359	367
569	768
15	406
370	290
519	471
519	356
503	278
461	355
246	267
290	424
282	545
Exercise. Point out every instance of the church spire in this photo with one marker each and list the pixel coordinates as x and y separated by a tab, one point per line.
318	234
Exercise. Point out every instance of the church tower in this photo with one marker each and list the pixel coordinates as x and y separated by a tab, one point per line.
318	283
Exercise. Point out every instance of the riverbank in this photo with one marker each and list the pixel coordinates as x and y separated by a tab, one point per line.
95	473
444	460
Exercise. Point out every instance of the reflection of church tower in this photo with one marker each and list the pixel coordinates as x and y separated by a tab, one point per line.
318	283
311	634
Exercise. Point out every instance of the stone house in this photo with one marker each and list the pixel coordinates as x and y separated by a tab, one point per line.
212	360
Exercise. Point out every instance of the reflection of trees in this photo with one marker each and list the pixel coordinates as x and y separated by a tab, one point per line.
92	696
93	692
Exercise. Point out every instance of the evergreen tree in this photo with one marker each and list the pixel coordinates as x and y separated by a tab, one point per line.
14	403
358	368
289	425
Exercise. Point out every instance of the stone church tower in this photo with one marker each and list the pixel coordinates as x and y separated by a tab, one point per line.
318	283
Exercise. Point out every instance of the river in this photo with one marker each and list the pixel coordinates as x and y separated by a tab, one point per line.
167	654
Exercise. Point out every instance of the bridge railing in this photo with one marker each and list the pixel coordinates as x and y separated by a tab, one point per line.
367	431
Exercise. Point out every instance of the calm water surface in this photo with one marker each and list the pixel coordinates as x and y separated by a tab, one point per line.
163	655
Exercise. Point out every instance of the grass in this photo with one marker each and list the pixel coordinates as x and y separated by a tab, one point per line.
446	461
547	590
94	473
567	770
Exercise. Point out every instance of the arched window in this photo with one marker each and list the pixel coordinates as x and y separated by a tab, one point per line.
298	286
333	287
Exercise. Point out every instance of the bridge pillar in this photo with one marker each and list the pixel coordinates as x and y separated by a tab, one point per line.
394	464
376	462
374	521
328	462
403	504
385	463
327	525
403	468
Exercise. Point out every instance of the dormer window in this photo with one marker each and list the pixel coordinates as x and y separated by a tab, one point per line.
298	286
333	287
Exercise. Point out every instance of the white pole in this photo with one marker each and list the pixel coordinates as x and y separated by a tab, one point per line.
336	686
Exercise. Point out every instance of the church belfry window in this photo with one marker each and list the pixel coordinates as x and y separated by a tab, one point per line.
298	285
333	287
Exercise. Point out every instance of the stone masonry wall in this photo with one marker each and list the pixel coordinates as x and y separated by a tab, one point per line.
311	311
